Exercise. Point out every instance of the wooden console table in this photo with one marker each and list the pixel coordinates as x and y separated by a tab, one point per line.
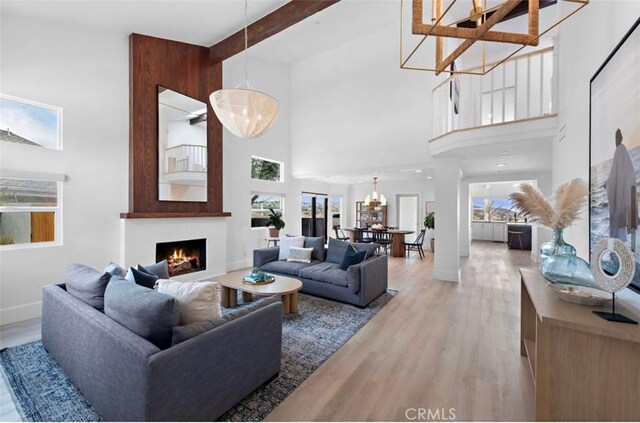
583	367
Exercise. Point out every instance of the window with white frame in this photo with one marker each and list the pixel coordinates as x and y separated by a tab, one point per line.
261	205
266	170
30	211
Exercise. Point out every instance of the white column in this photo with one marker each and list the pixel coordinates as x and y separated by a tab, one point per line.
465	221
447	220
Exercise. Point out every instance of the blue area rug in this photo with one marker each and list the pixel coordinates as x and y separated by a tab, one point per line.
43	393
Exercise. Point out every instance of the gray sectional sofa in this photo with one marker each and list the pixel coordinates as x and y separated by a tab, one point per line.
128	378
358	285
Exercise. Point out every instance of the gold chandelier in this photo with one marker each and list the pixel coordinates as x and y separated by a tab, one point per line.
373	200
482	38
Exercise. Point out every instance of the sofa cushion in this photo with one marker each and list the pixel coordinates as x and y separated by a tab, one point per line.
115	269
351	257
143	311
183	333
317	243
369	247
161	269
87	284
286	267
141	277
325	272
336	250
286	242
300	255
199	301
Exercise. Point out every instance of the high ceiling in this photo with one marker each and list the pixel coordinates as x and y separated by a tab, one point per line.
192	21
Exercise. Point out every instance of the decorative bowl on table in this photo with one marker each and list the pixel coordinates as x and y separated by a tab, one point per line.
258	277
581	294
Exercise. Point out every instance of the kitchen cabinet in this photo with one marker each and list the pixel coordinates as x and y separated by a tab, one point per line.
489	231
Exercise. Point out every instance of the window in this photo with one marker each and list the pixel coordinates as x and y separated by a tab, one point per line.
29	211
29	123
492	209
266	170
336	210
260	205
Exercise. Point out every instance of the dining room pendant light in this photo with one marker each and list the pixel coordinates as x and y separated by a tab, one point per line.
245	112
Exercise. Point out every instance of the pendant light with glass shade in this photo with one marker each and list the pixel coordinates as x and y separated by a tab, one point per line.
245	112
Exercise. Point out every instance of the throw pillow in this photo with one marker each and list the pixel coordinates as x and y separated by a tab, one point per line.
369	247
87	284
286	242
317	243
142	278
336	250
184	333
115	269
351	257
161	269
199	301
143	311
300	255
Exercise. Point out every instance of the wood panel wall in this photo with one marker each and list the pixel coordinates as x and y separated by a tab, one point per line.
187	69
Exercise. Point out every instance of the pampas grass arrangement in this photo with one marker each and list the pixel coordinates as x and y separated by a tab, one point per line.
568	201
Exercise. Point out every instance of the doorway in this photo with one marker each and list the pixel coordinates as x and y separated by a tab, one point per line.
314	210
408	212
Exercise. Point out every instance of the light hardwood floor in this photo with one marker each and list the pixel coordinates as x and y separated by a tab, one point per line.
436	345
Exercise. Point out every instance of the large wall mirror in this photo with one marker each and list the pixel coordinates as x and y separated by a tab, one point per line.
182	147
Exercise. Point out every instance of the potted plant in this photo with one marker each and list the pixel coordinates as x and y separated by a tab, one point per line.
430	223
275	223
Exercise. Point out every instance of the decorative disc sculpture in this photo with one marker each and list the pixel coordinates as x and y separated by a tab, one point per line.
613	267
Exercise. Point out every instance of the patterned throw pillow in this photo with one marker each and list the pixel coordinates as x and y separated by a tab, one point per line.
300	255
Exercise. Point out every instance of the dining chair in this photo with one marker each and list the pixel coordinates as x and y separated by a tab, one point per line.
385	240
415	245
340	233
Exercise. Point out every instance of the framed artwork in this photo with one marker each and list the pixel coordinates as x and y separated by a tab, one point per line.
429	206
614	149
30	123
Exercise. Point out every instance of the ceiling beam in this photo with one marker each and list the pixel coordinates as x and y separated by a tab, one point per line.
267	26
196	120
520	10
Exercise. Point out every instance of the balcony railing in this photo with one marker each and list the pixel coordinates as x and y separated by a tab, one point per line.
186	158
521	88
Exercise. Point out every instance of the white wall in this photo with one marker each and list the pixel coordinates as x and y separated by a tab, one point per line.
84	71
274	79
585	41
351	103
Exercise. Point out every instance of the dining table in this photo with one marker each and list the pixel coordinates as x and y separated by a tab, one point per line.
397	238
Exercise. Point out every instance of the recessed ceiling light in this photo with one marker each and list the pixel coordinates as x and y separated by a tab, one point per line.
359	182
418	171
429	177
504	153
487	186
501	164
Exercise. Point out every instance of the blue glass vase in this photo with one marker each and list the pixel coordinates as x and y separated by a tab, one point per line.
555	247
559	263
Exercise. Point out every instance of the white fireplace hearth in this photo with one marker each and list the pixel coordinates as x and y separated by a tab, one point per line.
139	237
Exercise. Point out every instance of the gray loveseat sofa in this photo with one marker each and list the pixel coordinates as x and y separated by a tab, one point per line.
127	378
358	285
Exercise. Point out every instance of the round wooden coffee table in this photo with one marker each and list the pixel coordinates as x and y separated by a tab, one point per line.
232	283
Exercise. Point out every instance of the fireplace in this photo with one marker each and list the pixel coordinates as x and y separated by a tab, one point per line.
183	256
